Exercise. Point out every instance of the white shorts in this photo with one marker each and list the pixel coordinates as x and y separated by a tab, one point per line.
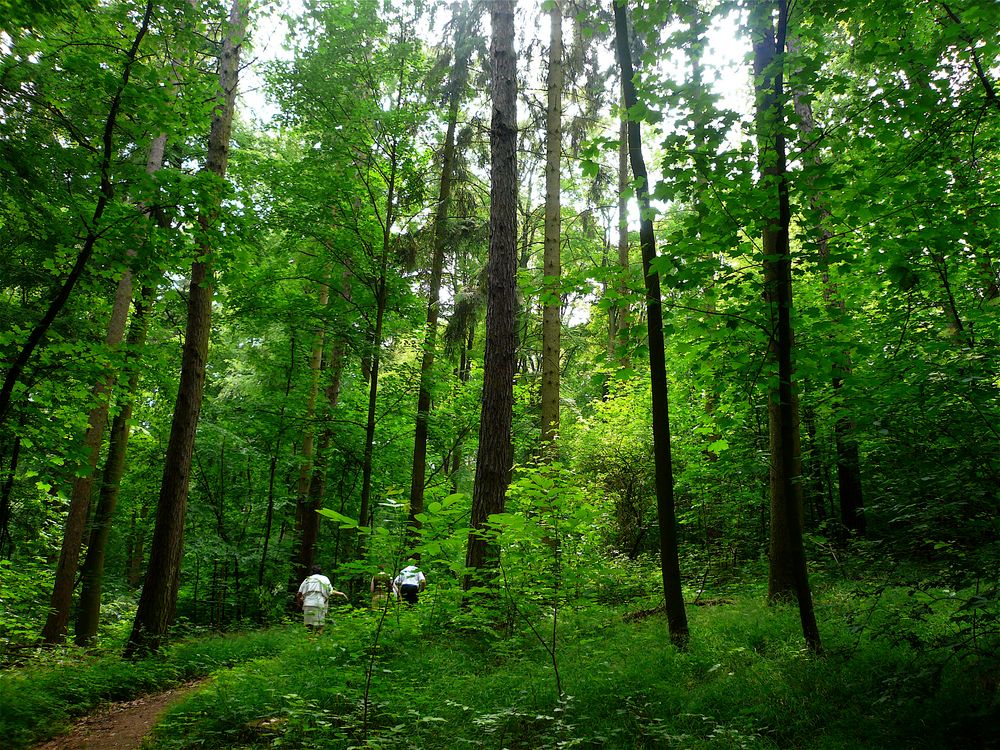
313	615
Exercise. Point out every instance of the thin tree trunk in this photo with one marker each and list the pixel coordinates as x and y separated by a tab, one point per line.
669	564
159	594
273	468
7	489
79	503
136	546
306	521
464	372
848	459
551	297
493	463
92	571
620	309
376	359
456	88
787	554
80	497
381	300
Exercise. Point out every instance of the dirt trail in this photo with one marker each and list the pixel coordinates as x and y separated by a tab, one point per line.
120	726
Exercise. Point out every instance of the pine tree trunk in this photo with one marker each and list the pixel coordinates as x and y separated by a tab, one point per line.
669	564
787	555
551	297
493	462
159	594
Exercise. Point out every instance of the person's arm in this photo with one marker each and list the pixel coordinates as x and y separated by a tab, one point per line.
423	582
334	592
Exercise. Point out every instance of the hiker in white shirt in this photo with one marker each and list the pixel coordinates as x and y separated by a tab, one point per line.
409	583
314	596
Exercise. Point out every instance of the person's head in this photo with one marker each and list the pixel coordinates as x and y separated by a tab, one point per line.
315	569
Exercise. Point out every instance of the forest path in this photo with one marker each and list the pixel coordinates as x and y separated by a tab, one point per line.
119	726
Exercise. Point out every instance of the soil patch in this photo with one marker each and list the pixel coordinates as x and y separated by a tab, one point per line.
120	726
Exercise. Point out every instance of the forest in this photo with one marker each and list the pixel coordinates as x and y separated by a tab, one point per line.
663	336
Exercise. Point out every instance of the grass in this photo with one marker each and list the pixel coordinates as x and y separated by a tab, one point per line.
41	699
899	672
746	682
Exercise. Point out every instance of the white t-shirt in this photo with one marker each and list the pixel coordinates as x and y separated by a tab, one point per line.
409	576
315	590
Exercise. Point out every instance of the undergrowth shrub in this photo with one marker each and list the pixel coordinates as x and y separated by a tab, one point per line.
747	681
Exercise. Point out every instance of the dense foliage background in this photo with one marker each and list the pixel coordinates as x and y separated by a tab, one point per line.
326	245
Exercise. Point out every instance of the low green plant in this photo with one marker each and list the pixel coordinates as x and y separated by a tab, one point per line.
745	682
39	700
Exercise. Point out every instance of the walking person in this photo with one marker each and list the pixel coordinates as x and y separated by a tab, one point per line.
314	598
410	582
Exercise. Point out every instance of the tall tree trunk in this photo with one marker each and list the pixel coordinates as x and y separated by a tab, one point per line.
105	196
334	365
92	571
273	467
787	555
464	372
159	594
79	501
136	546
493	462
551	297
848	459
381	301
456	89
80	496
669	564
7	489
307	521
620	309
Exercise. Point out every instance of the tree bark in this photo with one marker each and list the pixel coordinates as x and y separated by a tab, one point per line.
787	555
79	502
80	496
551	297
493	462
92	571
669	564
159	594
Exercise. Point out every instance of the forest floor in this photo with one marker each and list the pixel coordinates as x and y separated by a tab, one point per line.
119	726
